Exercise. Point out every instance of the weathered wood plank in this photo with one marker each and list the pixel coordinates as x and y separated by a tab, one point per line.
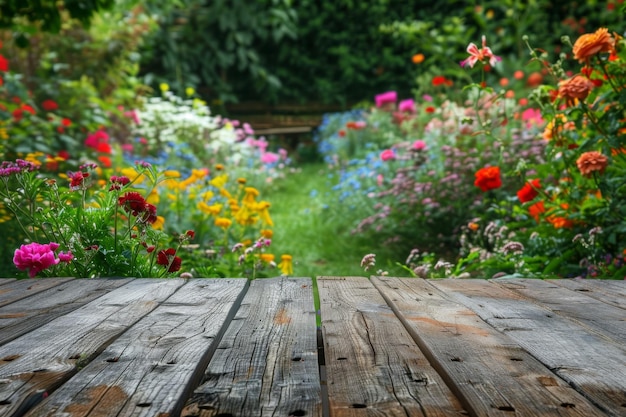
373	366
491	374
22	288
6	280
608	291
155	364
589	312
40	361
30	313
591	363
266	364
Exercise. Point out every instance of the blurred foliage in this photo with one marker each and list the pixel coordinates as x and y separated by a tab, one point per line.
345	51
47	14
211	45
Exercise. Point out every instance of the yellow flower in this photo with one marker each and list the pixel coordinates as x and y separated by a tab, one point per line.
262	209
219	167
267	257
190	91
224	193
267	233
171	173
153	197
219	181
286	265
213	209
133	175
241	180
164	87
223	222
159	223
251	194
207	195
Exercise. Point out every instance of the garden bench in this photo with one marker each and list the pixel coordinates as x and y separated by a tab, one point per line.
239	348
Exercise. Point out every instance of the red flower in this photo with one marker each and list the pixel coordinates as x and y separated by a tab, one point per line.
18	114
488	178
4	64
168	257
133	202
439	80
66	122
77	179
49	105
149	215
529	191
28	108
64	154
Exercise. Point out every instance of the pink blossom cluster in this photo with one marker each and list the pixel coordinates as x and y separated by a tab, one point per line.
36	257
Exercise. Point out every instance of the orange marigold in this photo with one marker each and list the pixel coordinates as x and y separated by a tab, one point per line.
590	44
590	162
576	88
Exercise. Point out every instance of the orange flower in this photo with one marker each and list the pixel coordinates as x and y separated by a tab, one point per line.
418	58
590	162
590	44
576	88
488	178
536	210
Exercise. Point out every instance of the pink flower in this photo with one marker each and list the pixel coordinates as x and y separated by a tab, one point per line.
66	257
270	158
388	155
480	55
407	106
532	116
419	145
133	115
35	257
385	99
96	139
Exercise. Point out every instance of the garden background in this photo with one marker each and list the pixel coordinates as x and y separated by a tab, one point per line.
124	153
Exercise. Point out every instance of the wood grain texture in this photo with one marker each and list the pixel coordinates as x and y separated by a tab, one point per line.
589	312
493	375
593	364
266	364
155	364
41	361
373	366
610	292
22	288
42	307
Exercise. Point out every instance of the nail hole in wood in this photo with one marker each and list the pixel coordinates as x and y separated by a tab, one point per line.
5	402
582	290
144	404
9	358
224	415
296	359
506	408
358	406
342	359
517	359
171	363
568	405
456	360
77	356
113	360
297	413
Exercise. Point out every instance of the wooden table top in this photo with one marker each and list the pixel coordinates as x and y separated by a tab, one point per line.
386	347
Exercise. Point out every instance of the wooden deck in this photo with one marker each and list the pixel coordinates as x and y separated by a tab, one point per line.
386	347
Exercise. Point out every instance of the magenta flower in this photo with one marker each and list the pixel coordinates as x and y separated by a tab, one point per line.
407	106
388	155
35	257
481	55
384	99
66	257
419	145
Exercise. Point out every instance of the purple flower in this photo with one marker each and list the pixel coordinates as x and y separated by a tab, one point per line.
35	257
